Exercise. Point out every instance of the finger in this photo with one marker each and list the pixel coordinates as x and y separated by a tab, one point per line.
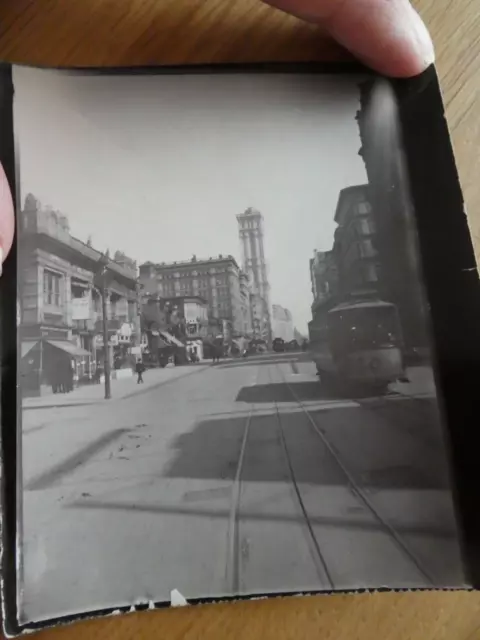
6	217
387	35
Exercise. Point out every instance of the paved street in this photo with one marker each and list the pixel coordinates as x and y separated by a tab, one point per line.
123	388
241	477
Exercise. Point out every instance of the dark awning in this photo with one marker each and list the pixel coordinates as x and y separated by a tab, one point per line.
68	347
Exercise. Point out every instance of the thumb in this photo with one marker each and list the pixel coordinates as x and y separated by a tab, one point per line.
6	217
387	35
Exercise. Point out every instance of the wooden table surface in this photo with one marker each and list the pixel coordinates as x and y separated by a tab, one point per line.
133	32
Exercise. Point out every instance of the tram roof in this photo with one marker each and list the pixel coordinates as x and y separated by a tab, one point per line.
367	304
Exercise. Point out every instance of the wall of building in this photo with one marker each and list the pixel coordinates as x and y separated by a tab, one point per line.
245	303
351	268
354	250
251	234
57	274
214	279
323	275
282	323
396	236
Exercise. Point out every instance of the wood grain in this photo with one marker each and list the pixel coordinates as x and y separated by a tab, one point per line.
144	32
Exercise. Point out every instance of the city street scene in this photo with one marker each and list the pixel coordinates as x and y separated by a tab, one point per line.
224	359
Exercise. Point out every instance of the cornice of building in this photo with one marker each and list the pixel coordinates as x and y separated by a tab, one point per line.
192	263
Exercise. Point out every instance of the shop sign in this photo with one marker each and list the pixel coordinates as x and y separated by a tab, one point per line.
81	308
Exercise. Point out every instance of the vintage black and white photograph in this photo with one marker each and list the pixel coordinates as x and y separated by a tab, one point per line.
225	365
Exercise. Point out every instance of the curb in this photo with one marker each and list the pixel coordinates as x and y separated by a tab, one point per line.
60	406
132	394
141	392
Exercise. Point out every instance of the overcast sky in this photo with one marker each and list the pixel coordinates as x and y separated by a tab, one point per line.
159	166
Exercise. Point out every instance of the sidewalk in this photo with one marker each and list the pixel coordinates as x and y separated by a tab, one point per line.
121	389
421	383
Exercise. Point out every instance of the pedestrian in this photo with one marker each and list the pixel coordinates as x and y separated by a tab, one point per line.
139	368
98	373
70	371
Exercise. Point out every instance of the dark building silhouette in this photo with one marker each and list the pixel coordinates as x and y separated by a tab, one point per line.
395	238
351	269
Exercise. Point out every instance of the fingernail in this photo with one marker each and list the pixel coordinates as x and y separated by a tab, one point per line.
422	40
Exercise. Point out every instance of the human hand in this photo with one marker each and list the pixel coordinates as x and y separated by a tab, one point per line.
387	35
6	218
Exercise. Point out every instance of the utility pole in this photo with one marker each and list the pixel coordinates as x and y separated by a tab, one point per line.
138	326
106	358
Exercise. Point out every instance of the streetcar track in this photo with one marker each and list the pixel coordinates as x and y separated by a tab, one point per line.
233	568
233	550
319	560
357	490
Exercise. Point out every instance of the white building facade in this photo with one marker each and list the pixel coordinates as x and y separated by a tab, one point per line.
251	233
282	323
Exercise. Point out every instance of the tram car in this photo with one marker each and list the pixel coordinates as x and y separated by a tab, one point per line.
358	345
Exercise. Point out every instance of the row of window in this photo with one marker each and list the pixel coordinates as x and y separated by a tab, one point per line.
203	284
169	290
191	274
52	288
54	291
250	224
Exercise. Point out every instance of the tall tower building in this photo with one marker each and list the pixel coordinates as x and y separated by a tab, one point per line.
250	229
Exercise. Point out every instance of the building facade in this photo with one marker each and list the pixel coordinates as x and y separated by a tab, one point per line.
251	233
396	234
282	323
176	324
351	269
246	305
354	250
60	296
216	280
323	274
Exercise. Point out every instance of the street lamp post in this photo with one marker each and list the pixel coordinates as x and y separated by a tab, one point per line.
138	325
108	393
103	294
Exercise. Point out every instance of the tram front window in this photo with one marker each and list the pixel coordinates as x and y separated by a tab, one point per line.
364	328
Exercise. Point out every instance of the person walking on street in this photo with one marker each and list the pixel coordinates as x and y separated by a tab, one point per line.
139	368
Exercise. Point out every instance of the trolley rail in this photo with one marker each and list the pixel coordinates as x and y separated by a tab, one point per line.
359	492
234	551
325	574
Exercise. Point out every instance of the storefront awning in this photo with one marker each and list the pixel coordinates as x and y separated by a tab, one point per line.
68	347
28	346
171	339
